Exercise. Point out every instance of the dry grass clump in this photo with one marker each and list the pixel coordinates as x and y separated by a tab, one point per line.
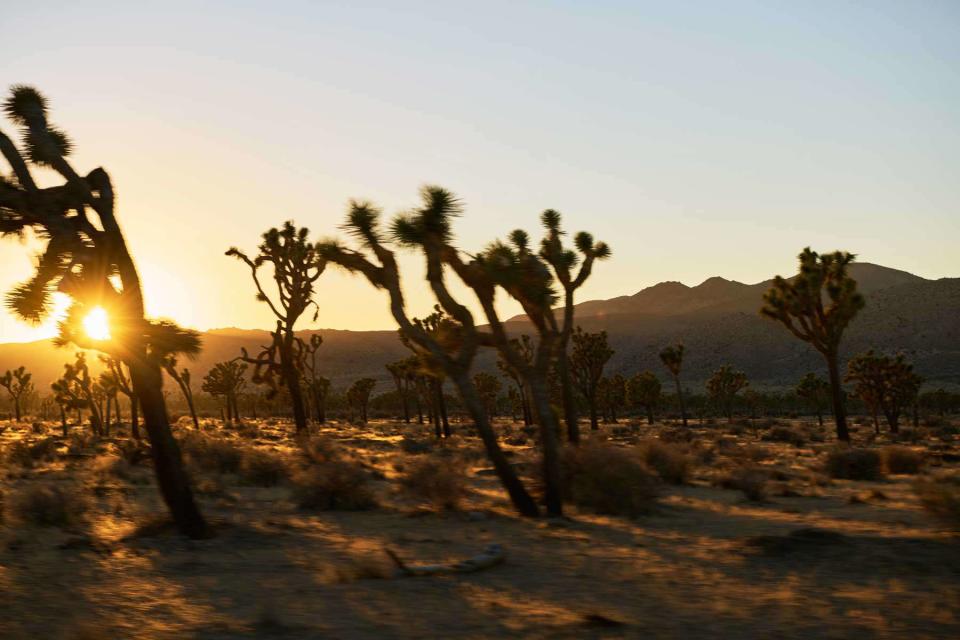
416	446
262	468
334	484
900	459
27	455
753	481
438	480
848	463
609	479
211	453
940	496
789	435
47	504
670	462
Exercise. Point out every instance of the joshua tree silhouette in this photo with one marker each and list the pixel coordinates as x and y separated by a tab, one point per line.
644	390
182	378
816	306
428	228
672	359
816	391
296	267
226	379
884	384
92	265
18	383
588	357
723	387
358	396
563	261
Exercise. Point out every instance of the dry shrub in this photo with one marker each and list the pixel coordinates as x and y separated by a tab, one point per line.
318	449
751	480
609	479
211	453
415	446
788	435
47	504
438	480
854	464
670	462
26	455
677	434
133	451
899	459
333	485
940	496
263	468
112	466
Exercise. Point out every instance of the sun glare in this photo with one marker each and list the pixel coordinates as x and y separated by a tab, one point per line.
97	325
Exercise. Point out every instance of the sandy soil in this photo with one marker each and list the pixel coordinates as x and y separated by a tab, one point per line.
820	558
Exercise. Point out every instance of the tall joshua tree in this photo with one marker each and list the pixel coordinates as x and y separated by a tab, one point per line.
18	383
87	258
428	228
816	306
672	358
563	261
816	391
589	356
296	266
723	387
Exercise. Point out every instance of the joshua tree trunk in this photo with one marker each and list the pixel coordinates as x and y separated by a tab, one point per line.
683	405
292	379
649	414
820	416
135	417
106	421
521	500
168	465
16	407
63	421
569	406
594	419
548	442
836	395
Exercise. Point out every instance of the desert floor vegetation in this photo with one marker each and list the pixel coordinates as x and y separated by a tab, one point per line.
731	531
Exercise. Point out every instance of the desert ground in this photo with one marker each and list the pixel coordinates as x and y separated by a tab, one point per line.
741	533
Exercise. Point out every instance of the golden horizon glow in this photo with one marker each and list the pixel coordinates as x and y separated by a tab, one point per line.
97	324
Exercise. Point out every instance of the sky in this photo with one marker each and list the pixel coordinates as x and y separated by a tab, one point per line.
696	138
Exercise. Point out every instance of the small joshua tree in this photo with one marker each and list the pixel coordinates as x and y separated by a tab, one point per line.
428	228
816	392
109	390
87	258
723	387
644	390
523	346
445	331
398	371
563	261
226	380
358	396
124	386
317	385
78	374
296	266
488	386
68	398
612	396
884	383
672	359
182	378
588	357
18	384
816	306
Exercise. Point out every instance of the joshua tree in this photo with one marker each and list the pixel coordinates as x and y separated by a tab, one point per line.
428	228
588	357
672	359
884	383
445	332
87	258
398	371
78	375
182	378
124	386
563	261
488	386
523	346
296	266
723	387
816	306
612	396
109	390
644	390
358	396
317	385
68	398
816	392
226	380
18	383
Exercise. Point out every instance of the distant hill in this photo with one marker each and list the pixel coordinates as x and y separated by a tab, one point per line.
717	320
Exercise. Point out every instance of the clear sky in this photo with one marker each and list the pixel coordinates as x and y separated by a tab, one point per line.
697	138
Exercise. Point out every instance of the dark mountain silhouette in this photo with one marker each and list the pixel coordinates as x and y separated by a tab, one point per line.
717	320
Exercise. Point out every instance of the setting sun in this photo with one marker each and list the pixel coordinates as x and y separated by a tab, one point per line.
97	324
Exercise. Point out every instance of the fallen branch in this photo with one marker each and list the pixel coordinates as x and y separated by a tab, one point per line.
490	557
